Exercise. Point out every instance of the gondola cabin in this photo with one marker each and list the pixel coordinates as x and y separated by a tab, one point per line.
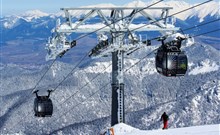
43	106
171	61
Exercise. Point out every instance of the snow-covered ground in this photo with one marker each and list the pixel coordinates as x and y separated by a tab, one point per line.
123	129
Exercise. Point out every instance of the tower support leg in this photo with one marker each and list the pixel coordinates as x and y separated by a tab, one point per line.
118	115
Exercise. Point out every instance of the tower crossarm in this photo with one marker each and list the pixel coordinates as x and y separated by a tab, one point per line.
104	18
110	19
132	16
84	19
117	8
158	23
87	28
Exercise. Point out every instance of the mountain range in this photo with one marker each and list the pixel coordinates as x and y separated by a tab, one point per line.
189	100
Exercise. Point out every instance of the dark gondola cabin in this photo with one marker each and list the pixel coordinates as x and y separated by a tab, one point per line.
43	106
170	60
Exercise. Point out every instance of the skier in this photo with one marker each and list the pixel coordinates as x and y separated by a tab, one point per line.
165	119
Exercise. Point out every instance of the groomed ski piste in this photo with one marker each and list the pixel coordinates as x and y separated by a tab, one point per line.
123	129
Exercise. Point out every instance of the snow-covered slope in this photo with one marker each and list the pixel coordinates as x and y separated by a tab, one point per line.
177	6
208	9
123	129
190	100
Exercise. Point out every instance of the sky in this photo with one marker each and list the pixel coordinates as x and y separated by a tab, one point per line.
51	6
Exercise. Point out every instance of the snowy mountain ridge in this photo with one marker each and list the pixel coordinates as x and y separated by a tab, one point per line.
11	21
33	14
201	12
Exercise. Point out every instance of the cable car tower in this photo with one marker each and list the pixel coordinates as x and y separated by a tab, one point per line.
117	37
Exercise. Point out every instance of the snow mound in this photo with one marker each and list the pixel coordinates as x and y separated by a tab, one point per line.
123	129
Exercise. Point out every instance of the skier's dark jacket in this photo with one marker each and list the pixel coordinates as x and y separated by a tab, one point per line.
165	117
